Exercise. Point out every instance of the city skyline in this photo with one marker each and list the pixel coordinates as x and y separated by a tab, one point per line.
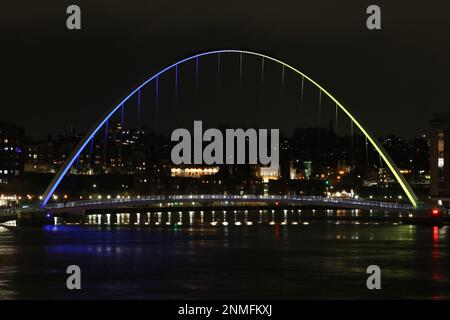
143	153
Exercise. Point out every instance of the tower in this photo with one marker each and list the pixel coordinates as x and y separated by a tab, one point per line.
440	158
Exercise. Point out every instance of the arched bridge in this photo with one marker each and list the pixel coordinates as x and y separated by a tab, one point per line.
103	122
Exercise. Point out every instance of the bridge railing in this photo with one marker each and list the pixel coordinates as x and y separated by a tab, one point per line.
232	198
15	211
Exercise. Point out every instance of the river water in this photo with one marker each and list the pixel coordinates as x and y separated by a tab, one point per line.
200	257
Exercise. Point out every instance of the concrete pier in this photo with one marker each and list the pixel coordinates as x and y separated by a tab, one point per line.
36	218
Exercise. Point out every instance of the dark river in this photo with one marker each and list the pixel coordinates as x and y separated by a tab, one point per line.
200	257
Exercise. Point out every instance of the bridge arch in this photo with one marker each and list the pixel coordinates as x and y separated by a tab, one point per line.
99	124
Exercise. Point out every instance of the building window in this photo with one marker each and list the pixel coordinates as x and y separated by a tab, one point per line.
440	162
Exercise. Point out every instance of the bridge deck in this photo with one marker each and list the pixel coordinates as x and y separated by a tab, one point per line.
229	200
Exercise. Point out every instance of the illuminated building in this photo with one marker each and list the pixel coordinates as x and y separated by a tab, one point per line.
48	155
287	170
120	151
440	159
11	153
193	172
268	173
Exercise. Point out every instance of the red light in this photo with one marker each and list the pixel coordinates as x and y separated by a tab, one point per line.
435	233
435	212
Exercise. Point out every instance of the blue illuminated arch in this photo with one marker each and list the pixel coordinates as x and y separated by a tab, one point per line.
91	133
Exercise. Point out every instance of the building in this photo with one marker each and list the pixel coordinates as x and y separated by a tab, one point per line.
440	159
11	153
194	171
120	150
47	156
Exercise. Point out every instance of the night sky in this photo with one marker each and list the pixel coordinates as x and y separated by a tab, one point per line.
394	79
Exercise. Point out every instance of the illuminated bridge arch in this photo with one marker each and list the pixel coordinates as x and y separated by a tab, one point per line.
98	125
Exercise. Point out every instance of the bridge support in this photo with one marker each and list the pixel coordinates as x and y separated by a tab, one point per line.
37	218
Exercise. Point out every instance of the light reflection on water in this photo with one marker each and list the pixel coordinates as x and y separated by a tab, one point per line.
220	217
201	254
